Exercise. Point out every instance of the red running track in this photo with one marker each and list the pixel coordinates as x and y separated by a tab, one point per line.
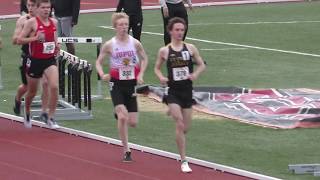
43	154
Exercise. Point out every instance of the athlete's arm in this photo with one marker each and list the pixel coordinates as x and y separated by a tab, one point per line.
189	4
57	45
105	51
163	52
17	30
143	61
198	60
164	6
27	29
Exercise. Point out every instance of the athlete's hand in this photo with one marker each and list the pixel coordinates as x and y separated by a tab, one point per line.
33	38
191	7
140	79
41	37
193	77
106	77
165	12
57	49
164	80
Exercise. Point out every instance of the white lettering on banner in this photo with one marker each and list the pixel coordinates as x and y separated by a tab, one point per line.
126	73
95	40
69	40
181	73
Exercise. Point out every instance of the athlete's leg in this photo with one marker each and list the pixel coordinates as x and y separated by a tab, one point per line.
136	26
66	31
52	76
133	119
166	36
176	113
181	12
22	89
31	93
123	117
45	94
187	116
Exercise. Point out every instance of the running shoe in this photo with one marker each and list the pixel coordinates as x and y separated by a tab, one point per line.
52	124
127	157
27	121
185	167
17	107
44	117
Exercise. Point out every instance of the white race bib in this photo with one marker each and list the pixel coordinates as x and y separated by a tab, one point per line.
126	73
180	73
49	47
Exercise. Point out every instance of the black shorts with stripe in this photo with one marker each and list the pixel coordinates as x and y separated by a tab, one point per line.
36	67
122	92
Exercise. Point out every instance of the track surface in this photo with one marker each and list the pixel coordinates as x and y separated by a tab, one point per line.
40	153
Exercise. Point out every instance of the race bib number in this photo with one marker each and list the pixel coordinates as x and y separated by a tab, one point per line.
181	73
49	47
126	73
185	55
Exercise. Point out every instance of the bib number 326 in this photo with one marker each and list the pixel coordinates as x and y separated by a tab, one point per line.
126	73
180	74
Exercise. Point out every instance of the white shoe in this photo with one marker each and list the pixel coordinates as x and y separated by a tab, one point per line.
27	121
52	124
185	167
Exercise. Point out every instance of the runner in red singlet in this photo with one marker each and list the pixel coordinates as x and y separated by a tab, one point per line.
22	88
40	33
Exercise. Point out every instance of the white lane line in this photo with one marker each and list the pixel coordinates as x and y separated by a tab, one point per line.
243	23
232	44
223	49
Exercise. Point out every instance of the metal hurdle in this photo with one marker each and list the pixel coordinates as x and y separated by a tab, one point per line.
85	40
76	69
70	107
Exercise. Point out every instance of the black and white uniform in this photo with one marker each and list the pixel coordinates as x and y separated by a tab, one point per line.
179	67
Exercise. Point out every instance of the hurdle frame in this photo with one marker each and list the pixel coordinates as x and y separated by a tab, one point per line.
87	40
67	110
108	140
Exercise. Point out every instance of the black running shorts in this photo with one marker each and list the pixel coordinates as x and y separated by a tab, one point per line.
182	97
122	92
36	67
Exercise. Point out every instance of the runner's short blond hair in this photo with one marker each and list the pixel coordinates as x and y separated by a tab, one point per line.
116	16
